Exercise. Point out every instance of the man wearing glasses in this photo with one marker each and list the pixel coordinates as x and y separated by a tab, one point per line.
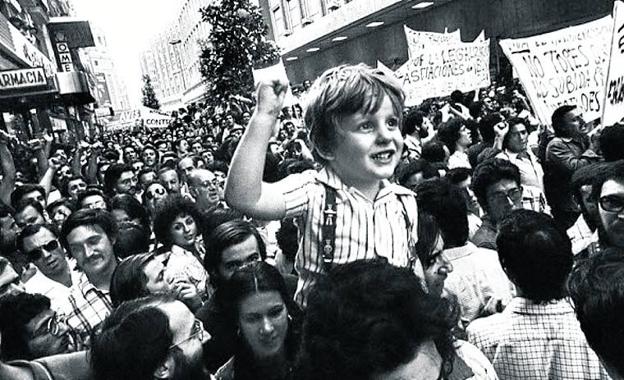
155	337
54	277
31	330
204	187
609	190
497	186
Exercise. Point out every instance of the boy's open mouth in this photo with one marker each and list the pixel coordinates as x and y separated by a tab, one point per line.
383	155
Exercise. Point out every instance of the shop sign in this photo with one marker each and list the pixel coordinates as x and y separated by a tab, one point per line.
22	78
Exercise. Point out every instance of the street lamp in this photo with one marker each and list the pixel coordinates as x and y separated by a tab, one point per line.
174	43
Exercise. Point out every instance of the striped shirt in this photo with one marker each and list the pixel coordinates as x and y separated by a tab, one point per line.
89	307
365	229
536	341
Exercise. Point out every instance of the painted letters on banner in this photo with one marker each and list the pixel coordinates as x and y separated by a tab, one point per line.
567	66
614	89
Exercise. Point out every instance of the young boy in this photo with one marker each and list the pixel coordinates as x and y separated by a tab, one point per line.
348	210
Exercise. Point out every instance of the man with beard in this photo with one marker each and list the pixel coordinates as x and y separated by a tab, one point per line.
204	187
31	330
155	337
120	179
609	191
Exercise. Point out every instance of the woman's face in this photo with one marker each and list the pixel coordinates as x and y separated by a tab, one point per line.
437	269
183	230
263	322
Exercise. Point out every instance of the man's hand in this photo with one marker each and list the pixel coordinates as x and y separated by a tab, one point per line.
270	97
54	163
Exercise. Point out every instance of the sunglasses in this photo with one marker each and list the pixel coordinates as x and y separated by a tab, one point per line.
37	253
150	194
612	203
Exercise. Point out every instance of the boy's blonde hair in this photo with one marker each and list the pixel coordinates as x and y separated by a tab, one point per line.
343	91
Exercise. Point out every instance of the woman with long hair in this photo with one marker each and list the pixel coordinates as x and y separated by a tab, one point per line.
268	320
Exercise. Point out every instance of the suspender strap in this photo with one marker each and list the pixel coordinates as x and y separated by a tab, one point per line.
328	231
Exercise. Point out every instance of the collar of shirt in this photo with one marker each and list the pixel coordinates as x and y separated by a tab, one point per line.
526	155
85	286
459	252
521	305
331	179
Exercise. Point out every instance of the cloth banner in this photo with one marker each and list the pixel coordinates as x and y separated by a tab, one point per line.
567	66
417	41
438	67
614	90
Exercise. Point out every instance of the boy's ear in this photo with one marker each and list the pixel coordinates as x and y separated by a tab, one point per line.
327	156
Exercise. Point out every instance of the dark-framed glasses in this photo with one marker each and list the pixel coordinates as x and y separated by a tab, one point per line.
612	203
37	253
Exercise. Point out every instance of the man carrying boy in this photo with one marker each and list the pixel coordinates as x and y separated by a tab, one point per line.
348	210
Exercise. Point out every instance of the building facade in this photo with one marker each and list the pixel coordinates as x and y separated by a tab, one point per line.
317	34
172	58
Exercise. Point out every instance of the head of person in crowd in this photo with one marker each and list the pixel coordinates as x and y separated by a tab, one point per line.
146	177
430	251
153	196
126	208
149	156
462	178
31	330
92	198
582	185
611	141
414	172
496	184
567	121
517	136
60	210
187	164
455	135
88	236
595	287
169	178
178	221
41	246
29	211
137	276
339	97
208	156
132	239
535	254
10	281
73	186
394	331
120	179
486	127
101	170
154	337
608	190
446	202
28	191
137	166
413	124
130	154
268	321
435	152
182	147
8	229
204	187
229	246
197	148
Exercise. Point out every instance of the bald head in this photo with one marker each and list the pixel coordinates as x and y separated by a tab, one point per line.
204	187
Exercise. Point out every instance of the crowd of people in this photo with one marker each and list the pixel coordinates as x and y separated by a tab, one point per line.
345	236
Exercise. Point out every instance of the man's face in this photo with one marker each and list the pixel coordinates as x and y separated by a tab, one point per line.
183	146
170	181
149	157
127	183
188	338
573	122
204	187
94	202
208	157
589	206
246	118
92	249
503	197
37	196
237	256
197	148
60	214
44	250
611	210
130	154
186	166
10	282
47	335
229	120
518	137
155	194
147	178
28	215
75	186
8	232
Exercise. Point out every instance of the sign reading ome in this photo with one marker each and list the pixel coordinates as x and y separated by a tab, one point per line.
22	78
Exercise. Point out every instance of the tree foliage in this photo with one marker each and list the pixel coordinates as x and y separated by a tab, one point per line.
236	44
149	96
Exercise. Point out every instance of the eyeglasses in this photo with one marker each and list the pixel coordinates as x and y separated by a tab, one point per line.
36	253
514	195
197	332
52	327
612	203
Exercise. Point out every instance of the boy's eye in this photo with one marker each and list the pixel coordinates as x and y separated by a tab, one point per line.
366	126
393	122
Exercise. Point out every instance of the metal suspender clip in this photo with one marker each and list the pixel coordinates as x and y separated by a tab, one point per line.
328	240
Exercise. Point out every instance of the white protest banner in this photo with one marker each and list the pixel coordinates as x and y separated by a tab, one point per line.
614	90
154	119
386	70
274	72
417	41
567	66
441	69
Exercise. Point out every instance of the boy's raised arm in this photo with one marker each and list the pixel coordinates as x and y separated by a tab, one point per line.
244	189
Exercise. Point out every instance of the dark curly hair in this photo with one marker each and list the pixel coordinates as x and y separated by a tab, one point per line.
355	328
174	206
488	173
